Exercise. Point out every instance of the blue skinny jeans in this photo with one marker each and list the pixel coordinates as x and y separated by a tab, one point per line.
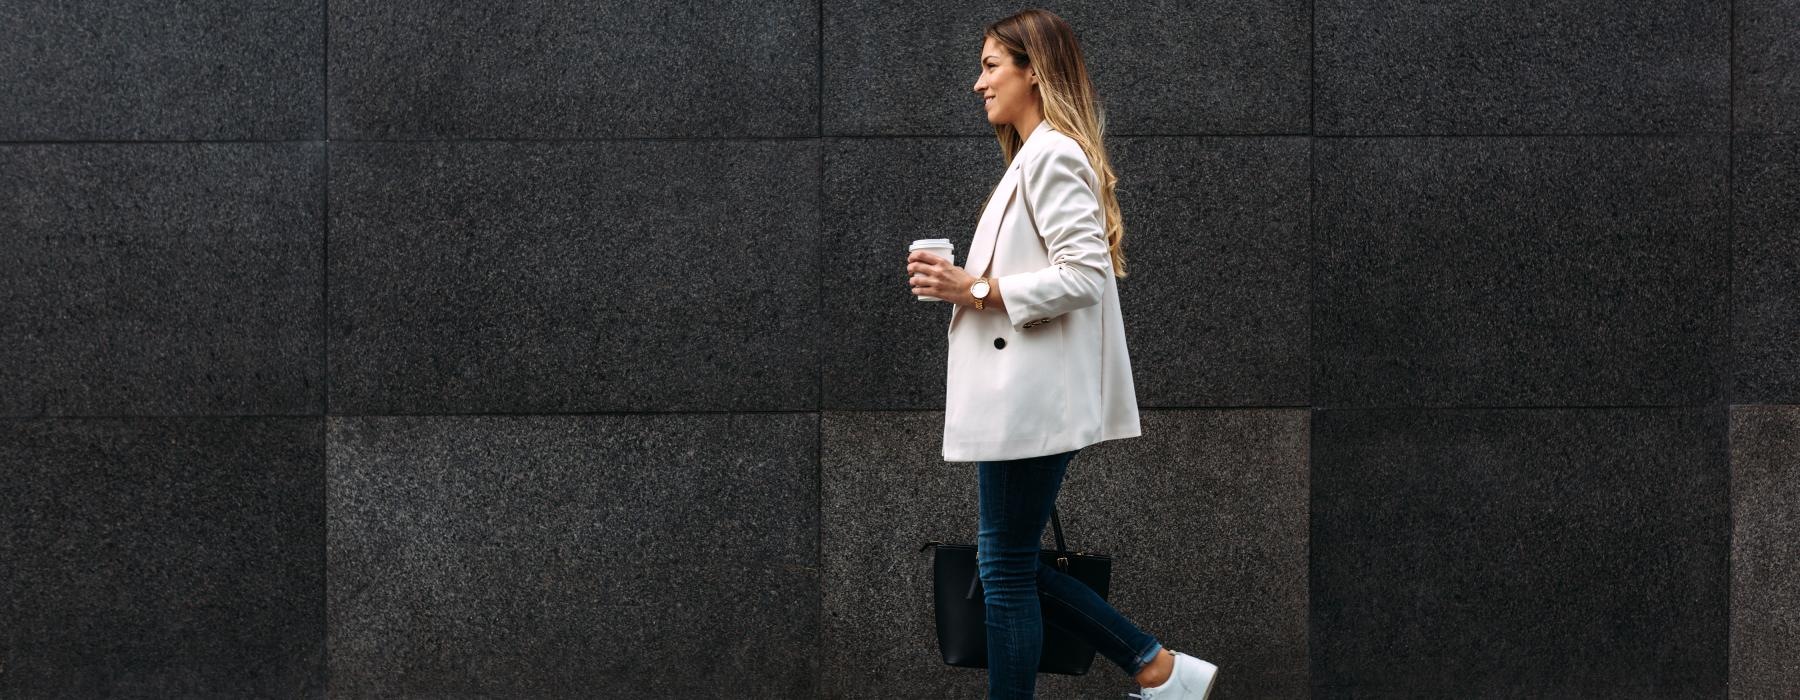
1022	594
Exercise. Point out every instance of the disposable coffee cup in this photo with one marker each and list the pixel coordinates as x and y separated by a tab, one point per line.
940	247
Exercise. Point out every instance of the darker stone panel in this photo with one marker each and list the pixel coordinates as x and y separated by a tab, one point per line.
162	278
162	558
150	70
1171	68
1765	285
428	70
1520	271
574	276
1767	65
1765	603
605	556
1520	553
1215	302
1396	67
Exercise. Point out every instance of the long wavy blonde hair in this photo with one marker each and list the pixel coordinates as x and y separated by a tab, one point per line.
1040	39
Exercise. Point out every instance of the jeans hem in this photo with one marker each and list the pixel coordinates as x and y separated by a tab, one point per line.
1145	658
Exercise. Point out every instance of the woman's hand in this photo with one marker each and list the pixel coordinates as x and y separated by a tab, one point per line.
934	276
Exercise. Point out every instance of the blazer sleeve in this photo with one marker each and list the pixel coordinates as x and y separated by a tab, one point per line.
1067	211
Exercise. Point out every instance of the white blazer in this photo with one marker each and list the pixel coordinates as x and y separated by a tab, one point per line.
1051	373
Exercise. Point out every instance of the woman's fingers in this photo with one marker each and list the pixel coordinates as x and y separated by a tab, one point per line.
925	258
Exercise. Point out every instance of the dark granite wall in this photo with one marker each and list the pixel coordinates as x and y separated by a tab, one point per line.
405	349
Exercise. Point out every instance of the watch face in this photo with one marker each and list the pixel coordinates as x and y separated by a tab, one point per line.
979	290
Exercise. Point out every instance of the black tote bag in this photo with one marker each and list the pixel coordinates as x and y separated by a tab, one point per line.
962	610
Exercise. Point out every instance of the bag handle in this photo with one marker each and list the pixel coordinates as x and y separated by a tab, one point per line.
1055	522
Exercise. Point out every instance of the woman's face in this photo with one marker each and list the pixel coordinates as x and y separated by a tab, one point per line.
1007	87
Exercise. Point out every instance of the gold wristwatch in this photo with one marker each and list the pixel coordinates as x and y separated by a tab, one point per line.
980	291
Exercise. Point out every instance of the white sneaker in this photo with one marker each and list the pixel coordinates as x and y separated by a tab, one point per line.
1192	679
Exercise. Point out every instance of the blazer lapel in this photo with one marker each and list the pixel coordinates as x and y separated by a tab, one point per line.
987	230
981	249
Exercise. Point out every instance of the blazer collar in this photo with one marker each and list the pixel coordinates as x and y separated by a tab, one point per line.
1032	142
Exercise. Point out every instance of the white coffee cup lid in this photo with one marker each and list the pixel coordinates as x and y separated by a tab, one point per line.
932	243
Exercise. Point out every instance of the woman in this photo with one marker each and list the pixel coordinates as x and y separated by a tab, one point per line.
1037	365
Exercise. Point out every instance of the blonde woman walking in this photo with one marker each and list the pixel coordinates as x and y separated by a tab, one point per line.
1038	367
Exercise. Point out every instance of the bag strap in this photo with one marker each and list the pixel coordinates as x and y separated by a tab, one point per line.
1055	522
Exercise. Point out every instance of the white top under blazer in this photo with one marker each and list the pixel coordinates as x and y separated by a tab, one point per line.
1051	373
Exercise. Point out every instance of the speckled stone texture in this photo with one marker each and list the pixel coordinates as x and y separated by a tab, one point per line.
1168	68
161	278
1765	590
1205	518
162	558
1555	271
1491	553
1400	67
1216	299
669	555
545	277
1767	65
1765	283
584	327
150	70
432	70
885	349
